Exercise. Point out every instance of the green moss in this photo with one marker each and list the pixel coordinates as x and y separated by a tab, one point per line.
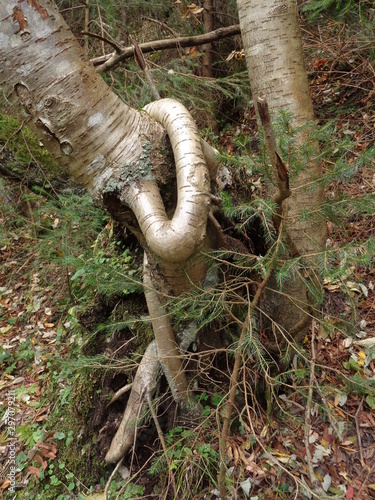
24	147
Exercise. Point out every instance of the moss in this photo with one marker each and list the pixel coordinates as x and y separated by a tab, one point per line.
80	455
24	148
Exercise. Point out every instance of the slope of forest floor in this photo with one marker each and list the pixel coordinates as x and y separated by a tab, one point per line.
267	460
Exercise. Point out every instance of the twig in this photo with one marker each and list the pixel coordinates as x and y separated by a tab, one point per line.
118	48
108	484
358	432
233	385
12	135
365	481
163	25
219	230
313	479
87	22
140	60
161	438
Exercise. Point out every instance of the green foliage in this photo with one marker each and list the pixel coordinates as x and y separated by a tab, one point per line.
336	8
30	434
111	271
186	451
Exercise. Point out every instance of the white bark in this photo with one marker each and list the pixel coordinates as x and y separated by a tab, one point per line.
177	239
88	129
114	152
145	381
273	48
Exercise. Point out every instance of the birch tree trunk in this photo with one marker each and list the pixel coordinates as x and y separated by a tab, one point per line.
124	158
273	49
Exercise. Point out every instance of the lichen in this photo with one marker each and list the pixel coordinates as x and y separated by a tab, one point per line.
139	170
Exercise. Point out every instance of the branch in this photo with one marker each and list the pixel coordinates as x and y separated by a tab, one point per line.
107	61
246	325
176	239
118	48
280	170
167	349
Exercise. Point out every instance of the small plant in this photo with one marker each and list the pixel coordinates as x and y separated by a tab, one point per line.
192	462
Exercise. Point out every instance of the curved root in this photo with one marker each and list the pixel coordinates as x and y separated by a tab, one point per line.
145	381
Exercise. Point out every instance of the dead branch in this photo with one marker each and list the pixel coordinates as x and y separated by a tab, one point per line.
108	61
233	385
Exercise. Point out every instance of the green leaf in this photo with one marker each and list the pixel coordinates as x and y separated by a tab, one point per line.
59	435
370	400
351	365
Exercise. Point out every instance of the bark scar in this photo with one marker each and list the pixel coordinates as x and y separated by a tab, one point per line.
36	6
19	17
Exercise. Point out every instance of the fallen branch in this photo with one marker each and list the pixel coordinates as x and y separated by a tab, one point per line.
315	484
108	61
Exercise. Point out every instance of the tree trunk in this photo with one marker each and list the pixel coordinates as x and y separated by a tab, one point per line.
208	22
121	156
273	48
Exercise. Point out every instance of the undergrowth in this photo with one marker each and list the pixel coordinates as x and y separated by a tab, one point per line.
97	271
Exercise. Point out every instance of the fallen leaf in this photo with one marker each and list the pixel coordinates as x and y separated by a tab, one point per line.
40	460
340	399
361	358
368	343
326	482
246	486
6	329
35	471
347	342
349	492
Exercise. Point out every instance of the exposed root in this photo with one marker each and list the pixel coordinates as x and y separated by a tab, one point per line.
167	348
145	381
162	354
119	393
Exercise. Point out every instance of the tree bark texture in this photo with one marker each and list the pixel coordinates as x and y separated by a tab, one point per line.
88	129
273	49
274	57
122	157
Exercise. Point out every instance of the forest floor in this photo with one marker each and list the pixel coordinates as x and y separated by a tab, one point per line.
269	459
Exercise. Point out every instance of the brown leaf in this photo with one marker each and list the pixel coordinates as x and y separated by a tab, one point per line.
40	460
48	454
349	492
47	446
35	471
5	484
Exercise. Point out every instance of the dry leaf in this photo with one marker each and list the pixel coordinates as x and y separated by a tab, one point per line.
35	471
